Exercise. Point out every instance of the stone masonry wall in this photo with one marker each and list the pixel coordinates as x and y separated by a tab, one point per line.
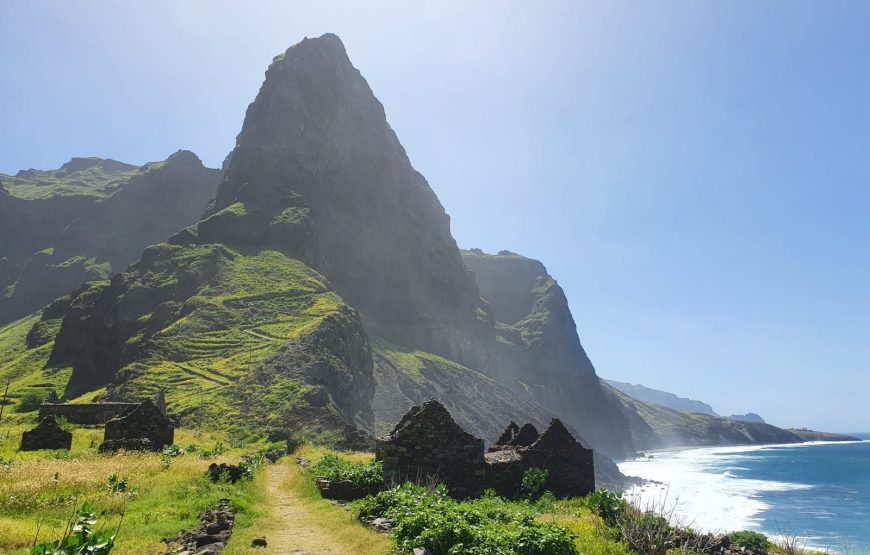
46	435
428	445
86	414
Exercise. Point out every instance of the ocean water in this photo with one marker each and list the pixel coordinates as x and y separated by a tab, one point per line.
817	491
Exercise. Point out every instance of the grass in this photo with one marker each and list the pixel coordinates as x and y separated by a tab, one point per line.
98	181
42	488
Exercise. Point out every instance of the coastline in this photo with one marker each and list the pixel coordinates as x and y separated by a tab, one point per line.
707	487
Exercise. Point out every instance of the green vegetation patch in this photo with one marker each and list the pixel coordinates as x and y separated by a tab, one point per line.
339	469
435	521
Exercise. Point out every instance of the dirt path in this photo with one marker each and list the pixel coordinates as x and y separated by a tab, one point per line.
299	531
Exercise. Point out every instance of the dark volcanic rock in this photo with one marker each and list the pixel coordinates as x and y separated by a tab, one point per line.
318	172
540	352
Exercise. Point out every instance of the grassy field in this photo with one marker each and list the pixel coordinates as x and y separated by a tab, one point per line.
40	490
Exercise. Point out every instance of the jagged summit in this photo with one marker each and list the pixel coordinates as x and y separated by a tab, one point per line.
318	173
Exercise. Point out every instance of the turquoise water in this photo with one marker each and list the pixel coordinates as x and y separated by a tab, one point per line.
820	492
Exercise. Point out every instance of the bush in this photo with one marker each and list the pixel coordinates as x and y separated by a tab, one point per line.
444	526
606	504
750	538
337	469
533	482
29	402
80	538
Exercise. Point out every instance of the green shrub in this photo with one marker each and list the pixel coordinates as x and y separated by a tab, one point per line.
337	469
606	504
444	526
29	402
80	538
750	538
117	484
173	451
533	482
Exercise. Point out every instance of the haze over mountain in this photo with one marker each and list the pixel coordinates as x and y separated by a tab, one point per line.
88	220
664	398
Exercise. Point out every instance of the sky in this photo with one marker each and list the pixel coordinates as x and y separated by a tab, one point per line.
696	175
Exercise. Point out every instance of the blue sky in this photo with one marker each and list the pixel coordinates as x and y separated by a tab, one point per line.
695	174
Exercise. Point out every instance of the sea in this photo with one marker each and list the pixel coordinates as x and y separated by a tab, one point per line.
818	492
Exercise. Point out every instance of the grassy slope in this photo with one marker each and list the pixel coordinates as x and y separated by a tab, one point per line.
24	368
478	403
99	181
255	305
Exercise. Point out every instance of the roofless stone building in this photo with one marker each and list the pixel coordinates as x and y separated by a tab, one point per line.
428	446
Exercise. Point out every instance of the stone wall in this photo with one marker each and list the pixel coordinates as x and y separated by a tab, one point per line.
427	445
46	435
570	468
86	414
146	421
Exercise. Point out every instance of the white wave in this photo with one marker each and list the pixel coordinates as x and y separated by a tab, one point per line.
701	489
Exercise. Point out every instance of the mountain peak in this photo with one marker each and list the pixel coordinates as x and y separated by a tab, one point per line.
326	47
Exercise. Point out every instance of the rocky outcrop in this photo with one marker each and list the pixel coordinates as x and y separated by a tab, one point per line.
539	351
317	171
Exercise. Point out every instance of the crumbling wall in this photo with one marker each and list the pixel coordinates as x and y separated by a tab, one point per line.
46	435
145	422
428	445
86	414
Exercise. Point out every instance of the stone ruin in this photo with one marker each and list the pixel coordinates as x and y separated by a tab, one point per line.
569	465
145	428
46	435
92	414
428	445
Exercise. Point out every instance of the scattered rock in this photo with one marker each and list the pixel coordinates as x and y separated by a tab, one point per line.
223	471
211	537
259	542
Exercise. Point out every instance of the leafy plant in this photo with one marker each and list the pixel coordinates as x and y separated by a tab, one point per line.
751	538
337	469
80	537
218	450
5	464
433	520
173	451
117	484
607	504
533	482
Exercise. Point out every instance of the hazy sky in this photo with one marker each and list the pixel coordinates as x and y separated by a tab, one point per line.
695	174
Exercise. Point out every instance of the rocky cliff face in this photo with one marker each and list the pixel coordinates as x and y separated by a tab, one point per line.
87	220
317	169
539	351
